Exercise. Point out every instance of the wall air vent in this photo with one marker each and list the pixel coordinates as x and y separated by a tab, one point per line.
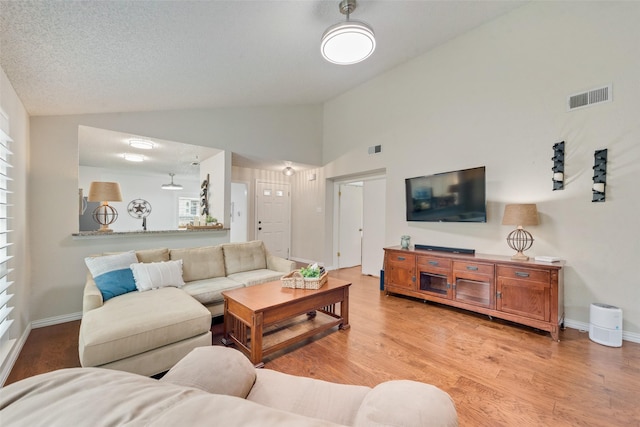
590	97
375	149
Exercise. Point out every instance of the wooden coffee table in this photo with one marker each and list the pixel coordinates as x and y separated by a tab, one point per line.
265	318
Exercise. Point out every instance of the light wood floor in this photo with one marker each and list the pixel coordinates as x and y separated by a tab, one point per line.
499	374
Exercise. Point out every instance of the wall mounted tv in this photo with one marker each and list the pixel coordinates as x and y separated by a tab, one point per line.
457	196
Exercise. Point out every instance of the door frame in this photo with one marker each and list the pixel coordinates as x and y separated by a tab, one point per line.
336	209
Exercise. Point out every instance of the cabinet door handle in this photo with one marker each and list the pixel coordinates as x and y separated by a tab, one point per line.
472	268
401	258
499	295
433	262
522	274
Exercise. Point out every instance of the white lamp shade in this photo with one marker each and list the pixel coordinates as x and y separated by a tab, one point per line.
348	42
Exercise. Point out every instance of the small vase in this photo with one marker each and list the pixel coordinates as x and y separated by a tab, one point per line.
404	241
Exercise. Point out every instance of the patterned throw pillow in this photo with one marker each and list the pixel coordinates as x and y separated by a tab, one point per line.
112	273
155	275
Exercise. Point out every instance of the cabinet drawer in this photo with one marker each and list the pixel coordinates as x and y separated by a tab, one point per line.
524	274
401	260
428	263
474	267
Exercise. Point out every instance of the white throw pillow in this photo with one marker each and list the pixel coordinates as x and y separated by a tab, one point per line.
155	275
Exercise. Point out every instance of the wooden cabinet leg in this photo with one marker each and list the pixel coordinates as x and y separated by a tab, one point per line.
344	309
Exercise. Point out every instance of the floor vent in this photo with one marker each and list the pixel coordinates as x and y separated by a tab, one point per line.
590	97
375	149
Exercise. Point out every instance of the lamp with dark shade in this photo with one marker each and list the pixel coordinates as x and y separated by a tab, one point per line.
105	192
520	239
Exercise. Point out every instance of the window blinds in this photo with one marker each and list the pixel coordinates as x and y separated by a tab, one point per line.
5	241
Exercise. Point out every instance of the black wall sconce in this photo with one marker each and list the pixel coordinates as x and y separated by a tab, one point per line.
558	166
599	175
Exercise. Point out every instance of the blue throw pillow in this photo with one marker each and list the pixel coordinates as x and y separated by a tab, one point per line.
112	273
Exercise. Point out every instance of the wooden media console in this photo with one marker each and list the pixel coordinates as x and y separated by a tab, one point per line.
526	292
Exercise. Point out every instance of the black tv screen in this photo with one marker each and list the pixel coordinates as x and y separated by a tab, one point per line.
457	196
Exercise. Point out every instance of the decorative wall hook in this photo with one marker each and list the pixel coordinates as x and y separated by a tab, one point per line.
599	175
558	166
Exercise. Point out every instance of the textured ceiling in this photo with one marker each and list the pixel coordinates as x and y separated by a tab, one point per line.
73	57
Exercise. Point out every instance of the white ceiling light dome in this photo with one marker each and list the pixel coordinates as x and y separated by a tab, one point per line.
348	42
142	144
133	157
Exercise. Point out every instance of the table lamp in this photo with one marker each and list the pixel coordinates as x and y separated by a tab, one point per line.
520	239
105	192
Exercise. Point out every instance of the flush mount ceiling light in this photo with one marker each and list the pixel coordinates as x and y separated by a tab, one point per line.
133	157
288	171
142	144
171	186
348	42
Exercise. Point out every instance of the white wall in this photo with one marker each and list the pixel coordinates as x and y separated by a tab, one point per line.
496	97
58	276
307	216
219	170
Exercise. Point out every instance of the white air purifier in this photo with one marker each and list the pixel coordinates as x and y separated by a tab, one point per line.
605	325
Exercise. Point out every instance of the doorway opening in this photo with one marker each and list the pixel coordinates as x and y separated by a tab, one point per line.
359	223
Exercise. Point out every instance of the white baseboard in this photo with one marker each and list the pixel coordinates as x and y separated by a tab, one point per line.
581	326
56	320
13	355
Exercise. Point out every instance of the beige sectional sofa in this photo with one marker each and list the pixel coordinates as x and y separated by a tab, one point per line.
148	332
218	386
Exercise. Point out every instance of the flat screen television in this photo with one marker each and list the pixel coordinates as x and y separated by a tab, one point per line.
457	196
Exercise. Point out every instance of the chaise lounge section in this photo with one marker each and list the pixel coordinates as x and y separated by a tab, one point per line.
148	332
219	386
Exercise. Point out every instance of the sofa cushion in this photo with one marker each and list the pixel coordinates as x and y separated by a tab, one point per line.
214	369
244	256
153	255
155	275
314	398
404	402
255	277
137	322
200	263
209	291
112	273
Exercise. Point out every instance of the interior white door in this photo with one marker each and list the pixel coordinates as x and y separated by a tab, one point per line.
373	226
273	212
350	225
238	215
